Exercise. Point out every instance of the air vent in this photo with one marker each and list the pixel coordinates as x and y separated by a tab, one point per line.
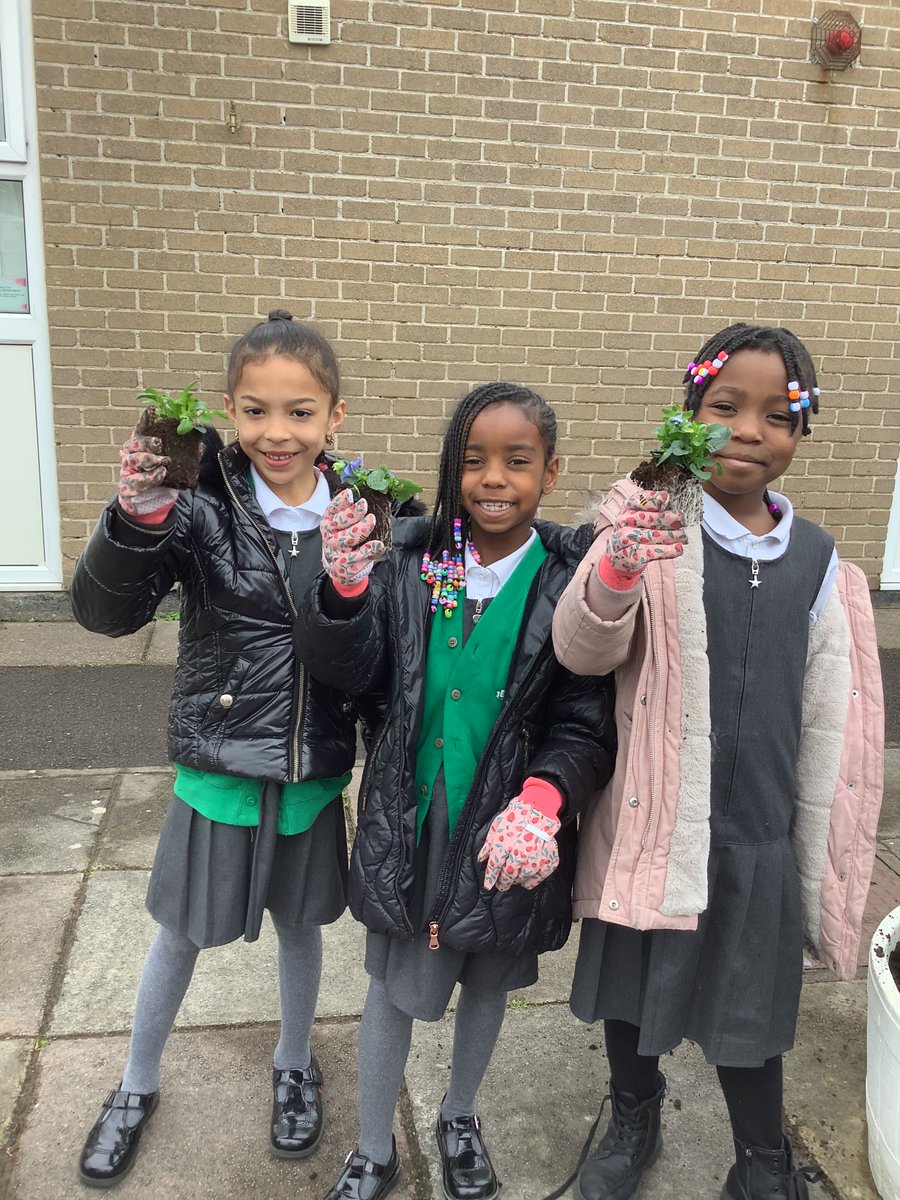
309	23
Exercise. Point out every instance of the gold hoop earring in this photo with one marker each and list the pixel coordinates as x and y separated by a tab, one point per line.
329	439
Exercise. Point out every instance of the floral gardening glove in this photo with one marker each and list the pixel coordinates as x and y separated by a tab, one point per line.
645	529
346	555
520	847
143	469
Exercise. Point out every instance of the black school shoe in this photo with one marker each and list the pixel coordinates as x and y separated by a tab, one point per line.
112	1145
468	1173
363	1179
298	1111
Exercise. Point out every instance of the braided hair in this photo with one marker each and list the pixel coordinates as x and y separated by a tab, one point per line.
770	339
280	336
448	505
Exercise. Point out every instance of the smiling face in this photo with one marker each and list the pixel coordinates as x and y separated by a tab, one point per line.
504	474
750	397
282	415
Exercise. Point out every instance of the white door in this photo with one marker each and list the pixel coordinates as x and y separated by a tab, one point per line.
890	576
30	557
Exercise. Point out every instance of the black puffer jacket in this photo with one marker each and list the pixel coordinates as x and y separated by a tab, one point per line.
241	704
553	724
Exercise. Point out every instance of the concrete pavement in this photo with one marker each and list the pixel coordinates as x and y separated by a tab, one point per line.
76	845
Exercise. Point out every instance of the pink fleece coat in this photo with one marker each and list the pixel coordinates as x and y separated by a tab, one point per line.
644	841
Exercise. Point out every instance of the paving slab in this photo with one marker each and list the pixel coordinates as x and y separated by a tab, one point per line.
132	826
541	1095
163	648
14	1056
33	914
50	823
825	1078
209	1137
233	984
42	643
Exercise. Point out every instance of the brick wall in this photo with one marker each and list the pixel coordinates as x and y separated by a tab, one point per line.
569	193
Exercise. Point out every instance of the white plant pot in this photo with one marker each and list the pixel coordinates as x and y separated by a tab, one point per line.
883	1061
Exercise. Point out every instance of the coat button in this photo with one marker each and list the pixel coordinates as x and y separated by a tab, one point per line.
455	694
439	742
347	706
226	700
453	643
632	801
643	699
424	789
613	904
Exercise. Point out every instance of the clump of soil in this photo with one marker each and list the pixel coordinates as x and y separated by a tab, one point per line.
894	964
380	506
685	492
182	450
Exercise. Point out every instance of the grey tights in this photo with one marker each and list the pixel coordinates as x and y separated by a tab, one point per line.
385	1032
167	972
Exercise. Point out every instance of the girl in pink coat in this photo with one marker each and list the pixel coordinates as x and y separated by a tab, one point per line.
740	822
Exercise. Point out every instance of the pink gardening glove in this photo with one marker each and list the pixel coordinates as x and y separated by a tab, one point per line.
143	469
645	529
344	527
520	847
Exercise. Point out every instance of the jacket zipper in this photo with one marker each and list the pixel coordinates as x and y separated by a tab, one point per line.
300	682
651	716
370	758
450	868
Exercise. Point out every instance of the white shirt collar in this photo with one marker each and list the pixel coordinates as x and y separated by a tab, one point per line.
483	583
731	534
291	517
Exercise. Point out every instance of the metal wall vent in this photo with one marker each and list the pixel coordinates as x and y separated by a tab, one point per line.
309	21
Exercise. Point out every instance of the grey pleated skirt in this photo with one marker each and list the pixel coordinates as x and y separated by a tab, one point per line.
211	881
420	981
732	986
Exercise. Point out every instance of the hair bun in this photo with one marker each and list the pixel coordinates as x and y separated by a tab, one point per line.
280	314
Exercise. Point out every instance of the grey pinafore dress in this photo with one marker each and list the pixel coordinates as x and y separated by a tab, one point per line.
733	985
211	881
420	981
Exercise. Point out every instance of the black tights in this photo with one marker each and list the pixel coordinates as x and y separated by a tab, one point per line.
753	1094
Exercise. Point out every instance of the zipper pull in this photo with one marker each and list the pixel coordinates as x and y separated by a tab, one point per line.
476	615
433	930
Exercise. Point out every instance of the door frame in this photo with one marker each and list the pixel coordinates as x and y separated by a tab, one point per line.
19	160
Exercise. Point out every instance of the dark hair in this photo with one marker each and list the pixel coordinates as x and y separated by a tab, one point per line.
280	335
448	504
772	340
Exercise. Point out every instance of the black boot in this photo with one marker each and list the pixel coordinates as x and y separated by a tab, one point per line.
631	1144
760	1174
298	1116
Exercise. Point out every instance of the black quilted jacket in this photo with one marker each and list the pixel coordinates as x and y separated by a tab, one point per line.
553	724
241	704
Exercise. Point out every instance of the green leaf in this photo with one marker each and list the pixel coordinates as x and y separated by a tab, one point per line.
378	479
185	425
338	465
403	489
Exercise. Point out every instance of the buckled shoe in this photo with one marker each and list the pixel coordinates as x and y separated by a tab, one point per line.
298	1111
363	1179
112	1145
468	1173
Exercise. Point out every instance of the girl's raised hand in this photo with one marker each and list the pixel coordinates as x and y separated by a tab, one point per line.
645	529
346	555
141	492
520	847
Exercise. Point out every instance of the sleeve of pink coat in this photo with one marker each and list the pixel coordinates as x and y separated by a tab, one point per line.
593	623
858	795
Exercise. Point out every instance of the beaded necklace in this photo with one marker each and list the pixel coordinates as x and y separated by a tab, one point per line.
447	577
